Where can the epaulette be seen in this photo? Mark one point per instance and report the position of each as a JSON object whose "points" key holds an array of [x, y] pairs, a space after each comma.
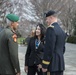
{"points": [[51, 26]]}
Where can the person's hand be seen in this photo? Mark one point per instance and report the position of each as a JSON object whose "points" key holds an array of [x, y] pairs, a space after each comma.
{"points": [[39, 66], [44, 70], [18, 74], [26, 69]]}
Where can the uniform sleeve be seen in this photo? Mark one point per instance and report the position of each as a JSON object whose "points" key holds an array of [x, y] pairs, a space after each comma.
{"points": [[27, 53], [49, 47], [64, 49], [64, 45], [13, 51]]}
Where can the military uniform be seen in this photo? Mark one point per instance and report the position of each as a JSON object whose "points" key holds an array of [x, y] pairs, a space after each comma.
{"points": [[9, 62], [54, 49]]}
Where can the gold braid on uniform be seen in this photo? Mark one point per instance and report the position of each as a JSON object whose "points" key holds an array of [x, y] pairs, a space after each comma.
{"points": [[45, 62]]}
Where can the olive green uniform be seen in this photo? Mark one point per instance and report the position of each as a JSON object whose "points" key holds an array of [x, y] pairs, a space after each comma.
{"points": [[9, 63]]}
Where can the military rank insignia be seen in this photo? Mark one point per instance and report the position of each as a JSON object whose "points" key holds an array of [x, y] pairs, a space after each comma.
{"points": [[51, 26], [14, 37]]}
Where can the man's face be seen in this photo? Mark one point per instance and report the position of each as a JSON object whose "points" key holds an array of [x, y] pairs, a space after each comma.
{"points": [[49, 20], [15, 25]]}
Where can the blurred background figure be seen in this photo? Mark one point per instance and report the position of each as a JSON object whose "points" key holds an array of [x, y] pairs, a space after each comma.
{"points": [[33, 32]]}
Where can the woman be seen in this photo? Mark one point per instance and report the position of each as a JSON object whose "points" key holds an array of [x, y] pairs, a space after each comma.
{"points": [[34, 54], [29, 36], [32, 33]]}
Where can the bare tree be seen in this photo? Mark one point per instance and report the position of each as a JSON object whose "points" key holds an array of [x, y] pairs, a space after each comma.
{"points": [[64, 8], [33, 11], [5, 6]]}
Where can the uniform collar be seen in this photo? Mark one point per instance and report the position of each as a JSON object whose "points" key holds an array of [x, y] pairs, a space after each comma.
{"points": [[53, 23], [12, 29]]}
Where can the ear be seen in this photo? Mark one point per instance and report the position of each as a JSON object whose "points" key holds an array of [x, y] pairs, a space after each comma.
{"points": [[12, 23], [50, 17]]}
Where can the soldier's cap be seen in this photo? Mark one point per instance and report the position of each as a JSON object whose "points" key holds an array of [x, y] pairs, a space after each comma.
{"points": [[12, 17], [49, 13]]}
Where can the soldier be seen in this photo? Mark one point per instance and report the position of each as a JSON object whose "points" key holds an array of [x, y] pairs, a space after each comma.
{"points": [[53, 59], [9, 62]]}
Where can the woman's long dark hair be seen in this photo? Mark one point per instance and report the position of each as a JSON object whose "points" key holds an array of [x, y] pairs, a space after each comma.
{"points": [[43, 31]]}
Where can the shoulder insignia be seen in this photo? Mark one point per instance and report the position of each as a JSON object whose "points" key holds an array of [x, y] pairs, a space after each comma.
{"points": [[51, 26], [14, 37]]}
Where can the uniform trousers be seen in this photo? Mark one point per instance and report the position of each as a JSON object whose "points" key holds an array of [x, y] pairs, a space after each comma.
{"points": [[56, 73], [7, 74]]}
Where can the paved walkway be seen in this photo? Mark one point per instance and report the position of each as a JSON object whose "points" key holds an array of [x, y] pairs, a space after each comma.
{"points": [[70, 59]]}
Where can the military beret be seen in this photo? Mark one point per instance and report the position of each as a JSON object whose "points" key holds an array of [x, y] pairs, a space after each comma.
{"points": [[12, 17], [49, 13]]}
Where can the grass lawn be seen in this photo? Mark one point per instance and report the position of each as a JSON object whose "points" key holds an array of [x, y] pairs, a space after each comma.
{"points": [[20, 40]]}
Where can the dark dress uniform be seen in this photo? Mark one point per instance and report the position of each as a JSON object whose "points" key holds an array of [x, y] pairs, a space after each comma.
{"points": [[9, 62], [54, 50], [34, 57]]}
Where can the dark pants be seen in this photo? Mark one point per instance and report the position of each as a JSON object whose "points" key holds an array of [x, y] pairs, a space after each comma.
{"points": [[56, 73], [32, 70], [7, 74]]}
